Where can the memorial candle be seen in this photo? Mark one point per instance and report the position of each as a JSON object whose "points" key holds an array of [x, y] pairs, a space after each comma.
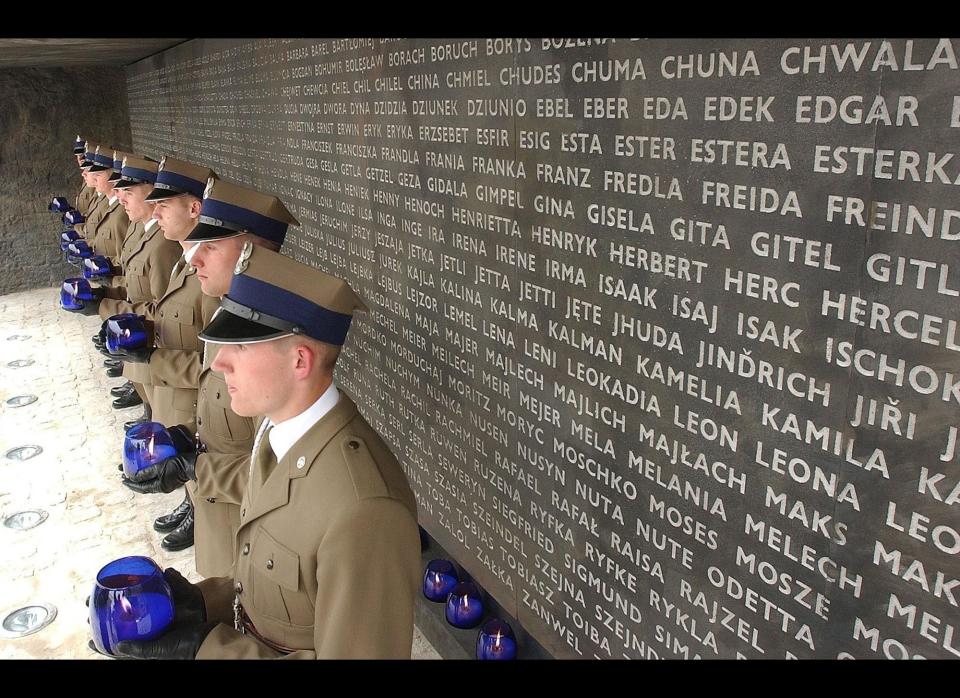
{"points": [[439, 580], [125, 331], [144, 445], [496, 641], [464, 606]]}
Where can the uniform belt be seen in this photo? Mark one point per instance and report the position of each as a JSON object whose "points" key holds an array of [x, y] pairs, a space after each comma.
{"points": [[250, 629]]}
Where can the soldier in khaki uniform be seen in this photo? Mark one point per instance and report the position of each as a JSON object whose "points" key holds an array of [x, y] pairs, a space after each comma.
{"points": [[106, 235], [147, 259], [87, 194], [216, 475], [98, 205], [176, 360], [328, 561]]}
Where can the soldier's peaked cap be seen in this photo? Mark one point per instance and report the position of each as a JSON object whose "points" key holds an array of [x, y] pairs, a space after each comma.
{"points": [[79, 145], [102, 159], [176, 177], [229, 210], [272, 296], [88, 162], [136, 170], [118, 156]]}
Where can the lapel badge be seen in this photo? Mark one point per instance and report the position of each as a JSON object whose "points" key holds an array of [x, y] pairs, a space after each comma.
{"points": [[301, 461], [244, 262], [209, 187]]}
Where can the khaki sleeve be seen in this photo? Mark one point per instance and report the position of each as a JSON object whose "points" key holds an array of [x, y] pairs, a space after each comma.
{"points": [[114, 306], [218, 598], [175, 368], [162, 257], [222, 476], [368, 570]]}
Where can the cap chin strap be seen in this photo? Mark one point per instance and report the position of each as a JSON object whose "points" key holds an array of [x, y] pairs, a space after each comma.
{"points": [[248, 313]]}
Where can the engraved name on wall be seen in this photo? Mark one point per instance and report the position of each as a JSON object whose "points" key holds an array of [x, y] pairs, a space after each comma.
{"points": [[663, 332]]}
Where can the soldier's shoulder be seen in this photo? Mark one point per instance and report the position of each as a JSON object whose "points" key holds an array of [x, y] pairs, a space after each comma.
{"points": [[372, 468]]}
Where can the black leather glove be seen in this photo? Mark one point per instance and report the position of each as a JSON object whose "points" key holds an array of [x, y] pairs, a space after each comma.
{"points": [[100, 339], [190, 627], [134, 356], [181, 642], [183, 439], [166, 476]]}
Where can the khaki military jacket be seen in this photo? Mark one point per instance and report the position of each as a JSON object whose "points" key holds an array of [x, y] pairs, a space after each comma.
{"points": [[147, 258], [175, 364], [328, 551], [86, 197], [228, 439], [107, 236], [93, 216]]}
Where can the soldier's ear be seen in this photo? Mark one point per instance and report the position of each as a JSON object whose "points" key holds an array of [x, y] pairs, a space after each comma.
{"points": [[195, 205]]}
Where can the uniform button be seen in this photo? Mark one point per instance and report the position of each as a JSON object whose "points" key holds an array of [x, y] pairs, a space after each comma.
{"points": [[269, 564], [194, 404], [353, 444], [211, 500], [199, 421], [176, 314], [243, 512], [246, 548], [161, 313], [238, 587], [218, 395]]}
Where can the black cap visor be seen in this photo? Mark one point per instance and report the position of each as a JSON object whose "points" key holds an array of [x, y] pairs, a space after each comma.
{"points": [[100, 168], [204, 232], [115, 177], [159, 194], [228, 328]]}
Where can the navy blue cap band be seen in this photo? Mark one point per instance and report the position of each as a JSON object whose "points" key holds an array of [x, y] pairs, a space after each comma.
{"points": [[316, 321], [103, 160], [179, 183], [245, 219], [138, 175]]}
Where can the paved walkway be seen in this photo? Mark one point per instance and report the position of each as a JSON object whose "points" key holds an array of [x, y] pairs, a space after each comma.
{"points": [[92, 518]]}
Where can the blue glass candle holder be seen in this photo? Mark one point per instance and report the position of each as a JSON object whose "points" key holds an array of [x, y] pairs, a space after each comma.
{"points": [[78, 250], [59, 205], [96, 266], [131, 601], [439, 580], [74, 292], [464, 606], [144, 445], [73, 218], [496, 641], [126, 331], [68, 236]]}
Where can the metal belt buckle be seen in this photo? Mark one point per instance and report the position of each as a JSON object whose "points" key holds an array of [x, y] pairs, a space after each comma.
{"points": [[237, 609]]}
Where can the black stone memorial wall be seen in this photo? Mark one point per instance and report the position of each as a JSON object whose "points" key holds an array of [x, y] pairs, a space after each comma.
{"points": [[663, 332]]}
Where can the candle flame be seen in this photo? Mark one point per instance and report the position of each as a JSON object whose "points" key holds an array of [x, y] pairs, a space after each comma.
{"points": [[150, 445], [125, 605], [464, 600], [496, 640]]}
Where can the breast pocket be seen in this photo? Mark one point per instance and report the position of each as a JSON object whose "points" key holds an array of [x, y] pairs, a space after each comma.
{"points": [[218, 419], [177, 330], [275, 573], [138, 284]]}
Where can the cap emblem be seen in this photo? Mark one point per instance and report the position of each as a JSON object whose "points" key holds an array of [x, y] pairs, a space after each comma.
{"points": [[209, 187], [244, 262], [163, 161]]}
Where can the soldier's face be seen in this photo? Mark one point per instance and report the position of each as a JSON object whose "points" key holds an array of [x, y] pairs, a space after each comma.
{"points": [[121, 195], [257, 377], [215, 261], [133, 202], [177, 216], [100, 182]]}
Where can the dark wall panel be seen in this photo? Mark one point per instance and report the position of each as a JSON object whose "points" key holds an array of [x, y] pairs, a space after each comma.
{"points": [[663, 332], [42, 111]]}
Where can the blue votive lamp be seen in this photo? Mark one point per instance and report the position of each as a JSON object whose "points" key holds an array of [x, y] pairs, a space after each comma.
{"points": [[78, 250], [68, 236], [496, 641], [74, 292], [439, 580], [464, 606], [59, 205], [73, 217], [96, 266], [125, 331], [144, 445], [131, 601]]}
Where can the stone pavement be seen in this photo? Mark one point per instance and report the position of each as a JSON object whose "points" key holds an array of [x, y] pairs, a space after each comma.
{"points": [[93, 519]]}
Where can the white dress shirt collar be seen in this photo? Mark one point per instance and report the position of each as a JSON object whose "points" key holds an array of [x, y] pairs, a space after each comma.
{"points": [[112, 200], [285, 434], [149, 224]]}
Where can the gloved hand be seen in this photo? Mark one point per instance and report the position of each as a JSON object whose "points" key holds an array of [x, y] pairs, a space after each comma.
{"points": [[188, 631], [134, 356], [100, 339], [166, 476], [183, 439], [180, 642]]}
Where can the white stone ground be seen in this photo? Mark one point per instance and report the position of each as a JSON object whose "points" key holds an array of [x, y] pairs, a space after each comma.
{"points": [[92, 519]]}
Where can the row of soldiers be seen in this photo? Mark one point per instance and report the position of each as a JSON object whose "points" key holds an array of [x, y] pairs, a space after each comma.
{"points": [[304, 524]]}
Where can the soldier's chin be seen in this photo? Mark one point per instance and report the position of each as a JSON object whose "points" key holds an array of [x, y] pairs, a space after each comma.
{"points": [[239, 409]]}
